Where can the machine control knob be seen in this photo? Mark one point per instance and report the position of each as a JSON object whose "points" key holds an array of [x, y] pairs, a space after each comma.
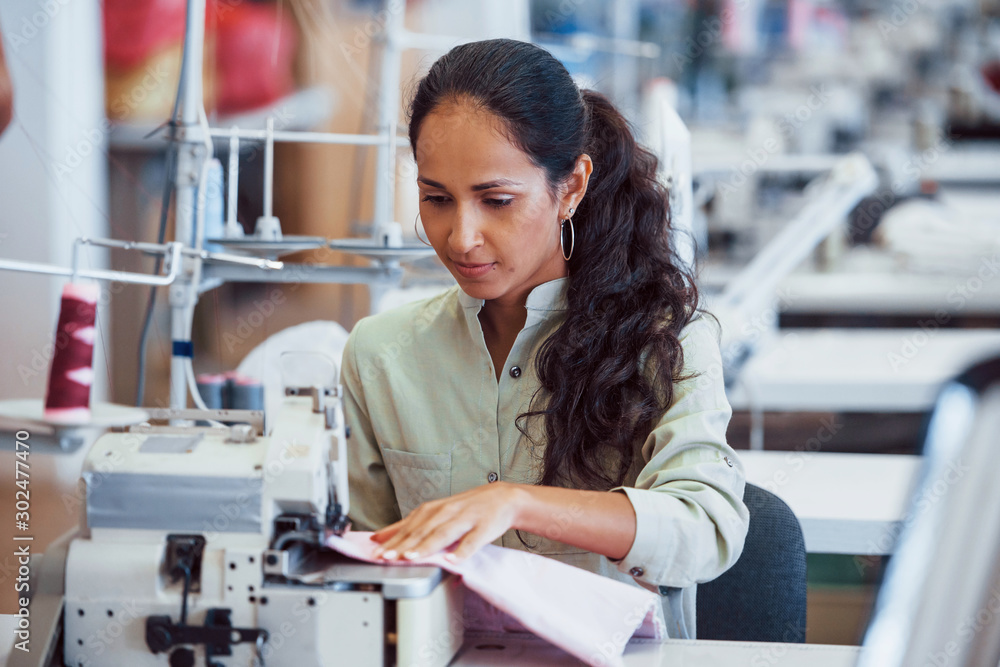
{"points": [[158, 636], [182, 657]]}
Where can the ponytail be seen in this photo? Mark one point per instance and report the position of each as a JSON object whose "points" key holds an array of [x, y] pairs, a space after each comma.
{"points": [[607, 372]]}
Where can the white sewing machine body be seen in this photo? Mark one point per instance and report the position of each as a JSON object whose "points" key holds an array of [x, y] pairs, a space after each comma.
{"points": [[203, 546]]}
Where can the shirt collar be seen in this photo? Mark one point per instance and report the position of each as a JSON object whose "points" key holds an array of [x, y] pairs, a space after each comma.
{"points": [[549, 296]]}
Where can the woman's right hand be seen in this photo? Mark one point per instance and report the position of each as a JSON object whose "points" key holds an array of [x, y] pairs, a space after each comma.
{"points": [[464, 522]]}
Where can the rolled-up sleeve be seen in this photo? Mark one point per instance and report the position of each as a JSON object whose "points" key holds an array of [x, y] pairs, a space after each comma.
{"points": [[688, 498], [373, 498]]}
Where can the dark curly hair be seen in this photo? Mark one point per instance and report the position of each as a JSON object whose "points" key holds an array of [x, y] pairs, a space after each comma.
{"points": [[607, 372]]}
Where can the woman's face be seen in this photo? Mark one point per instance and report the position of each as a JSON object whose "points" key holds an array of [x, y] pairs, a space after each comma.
{"points": [[486, 208]]}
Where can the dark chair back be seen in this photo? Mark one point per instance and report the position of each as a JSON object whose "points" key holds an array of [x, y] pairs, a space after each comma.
{"points": [[763, 596]]}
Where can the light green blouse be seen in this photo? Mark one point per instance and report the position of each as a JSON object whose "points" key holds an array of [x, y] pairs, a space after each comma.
{"points": [[428, 419]]}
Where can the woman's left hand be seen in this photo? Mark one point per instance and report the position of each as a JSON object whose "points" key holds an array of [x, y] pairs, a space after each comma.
{"points": [[471, 519]]}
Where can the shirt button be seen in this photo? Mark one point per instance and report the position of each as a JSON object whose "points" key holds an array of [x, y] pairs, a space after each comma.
{"points": [[492, 477], [515, 371], [729, 461], [637, 572]]}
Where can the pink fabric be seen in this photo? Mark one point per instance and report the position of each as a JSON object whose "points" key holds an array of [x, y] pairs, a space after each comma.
{"points": [[587, 615]]}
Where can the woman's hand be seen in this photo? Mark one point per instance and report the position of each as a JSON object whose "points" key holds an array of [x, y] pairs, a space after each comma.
{"points": [[468, 520]]}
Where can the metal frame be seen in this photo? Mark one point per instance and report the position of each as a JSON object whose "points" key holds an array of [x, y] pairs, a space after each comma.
{"points": [[191, 270]]}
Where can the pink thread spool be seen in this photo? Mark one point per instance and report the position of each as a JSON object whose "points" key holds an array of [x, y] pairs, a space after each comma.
{"points": [[67, 397]]}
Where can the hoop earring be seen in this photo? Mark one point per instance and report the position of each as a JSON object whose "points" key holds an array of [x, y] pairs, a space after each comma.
{"points": [[562, 238], [417, 232]]}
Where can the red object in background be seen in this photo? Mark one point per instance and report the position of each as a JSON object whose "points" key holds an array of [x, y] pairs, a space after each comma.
{"points": [[134, 29], [255, 44], [255, 49], [991, 73]]}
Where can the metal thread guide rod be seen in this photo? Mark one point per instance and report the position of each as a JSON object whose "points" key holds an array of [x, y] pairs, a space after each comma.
{"points": [[233, 228], [191, 156], [268, 227]]}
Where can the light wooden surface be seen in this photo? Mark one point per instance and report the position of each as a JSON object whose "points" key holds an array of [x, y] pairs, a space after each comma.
{"points": [[847, 503], [506, 650], [885, 293], [858, 370], [502, 651]]}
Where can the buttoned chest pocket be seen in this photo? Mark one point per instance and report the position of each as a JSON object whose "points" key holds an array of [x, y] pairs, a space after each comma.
{"points": [[552, 544], [417, 478]]}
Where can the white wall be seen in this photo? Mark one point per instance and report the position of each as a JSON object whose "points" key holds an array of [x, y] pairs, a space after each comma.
{"points": [[53, 177]]}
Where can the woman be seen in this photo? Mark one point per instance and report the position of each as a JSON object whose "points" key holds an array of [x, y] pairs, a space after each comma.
{"points": [[567, 363]]}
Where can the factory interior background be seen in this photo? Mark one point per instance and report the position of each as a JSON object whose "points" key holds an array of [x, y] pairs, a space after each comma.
{"points": [[846, 354]]}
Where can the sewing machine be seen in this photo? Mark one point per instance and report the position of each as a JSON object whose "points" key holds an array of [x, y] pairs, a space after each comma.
{"points": [[204, 545]]}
